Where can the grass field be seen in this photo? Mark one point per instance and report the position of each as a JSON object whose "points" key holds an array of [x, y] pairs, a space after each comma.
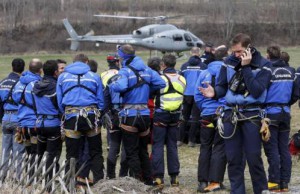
{"points": [[188, 156]]}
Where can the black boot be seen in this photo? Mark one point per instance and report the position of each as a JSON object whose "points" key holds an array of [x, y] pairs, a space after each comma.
{"points": [[111, 170]]}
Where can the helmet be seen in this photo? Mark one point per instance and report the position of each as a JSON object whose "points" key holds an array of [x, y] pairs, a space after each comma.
{"points": [[112, 58]]}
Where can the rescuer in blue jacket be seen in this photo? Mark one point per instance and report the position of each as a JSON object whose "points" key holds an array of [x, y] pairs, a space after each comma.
{"points": [[243, 81], [22, 94], [135, 81], [282, 93], [48, 117], [212, 158], [80, 99], [190, 71], [10, 110]]}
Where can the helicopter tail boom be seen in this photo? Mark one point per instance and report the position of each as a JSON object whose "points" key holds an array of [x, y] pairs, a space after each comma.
{"points": [[73, 35]]}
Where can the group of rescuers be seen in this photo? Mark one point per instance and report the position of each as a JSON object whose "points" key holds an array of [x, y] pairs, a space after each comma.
{"points": [[242, 101]]}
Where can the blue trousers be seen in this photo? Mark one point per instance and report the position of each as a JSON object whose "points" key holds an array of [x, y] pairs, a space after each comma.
{"points": [[276, 149], [245, 142], [165, 134], [8, 144]]}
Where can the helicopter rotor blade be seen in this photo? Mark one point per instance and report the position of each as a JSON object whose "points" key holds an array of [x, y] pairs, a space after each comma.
{"points": [[124, 17]]}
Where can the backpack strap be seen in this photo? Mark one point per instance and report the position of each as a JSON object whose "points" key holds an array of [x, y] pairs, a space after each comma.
{"points": [[139, 79], [9, 97], [79, 85], [171, 87]]}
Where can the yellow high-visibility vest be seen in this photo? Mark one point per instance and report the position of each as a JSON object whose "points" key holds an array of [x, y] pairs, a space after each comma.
{"points": [[171, 96], [106, 75]]}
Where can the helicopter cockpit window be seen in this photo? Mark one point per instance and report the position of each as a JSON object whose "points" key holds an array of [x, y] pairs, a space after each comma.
{"points": [[187, 37], [177, 37], [194, 37]]}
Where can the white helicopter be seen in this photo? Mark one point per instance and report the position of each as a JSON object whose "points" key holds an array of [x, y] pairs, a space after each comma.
{"points": [[162, 37]]}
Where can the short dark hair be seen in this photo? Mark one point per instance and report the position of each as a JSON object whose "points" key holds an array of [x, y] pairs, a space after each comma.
{"points": [[18, 65], [169, 60], [154, 63], [244, 39], [35, 65], [61, 61], [93, 65], [220, 53], [274, 52], [81, 57], [285, 56], [128, 49], [50, 67]]}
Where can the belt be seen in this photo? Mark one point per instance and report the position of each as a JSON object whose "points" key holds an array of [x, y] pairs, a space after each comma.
{"points": [[10, 112], [250, 106], [76, 109], [49, 116], [276, 104], [135, 106]]}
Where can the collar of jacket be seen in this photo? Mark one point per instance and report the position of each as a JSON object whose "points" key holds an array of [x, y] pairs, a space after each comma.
{"points": [[169, 70], [14, 75], [114, 67], [278, 63]]}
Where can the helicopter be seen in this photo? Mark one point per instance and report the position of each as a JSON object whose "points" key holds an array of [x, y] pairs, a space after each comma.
{"points": [[160, 36]]}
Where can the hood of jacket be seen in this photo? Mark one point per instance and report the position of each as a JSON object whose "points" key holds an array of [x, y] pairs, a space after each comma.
{"points": [[137, 63], [46, 86], [194, 60], [77, 68], [278, 63], [28, 77]]}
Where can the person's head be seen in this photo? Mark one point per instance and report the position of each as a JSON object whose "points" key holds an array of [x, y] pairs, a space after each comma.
{"points": [[81, 57], [221, 52], [18, 65], [239, 44], [154, 63], [273, 52], [125, 52], [195, 51], [169, 60], [93, 65], [61, 65], [50, 68], [35, 66], [113, 60], [285, 56], [208, 47]]}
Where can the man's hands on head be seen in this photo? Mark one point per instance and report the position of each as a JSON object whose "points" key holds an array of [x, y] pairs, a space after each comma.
{"points": [[207, 92]]}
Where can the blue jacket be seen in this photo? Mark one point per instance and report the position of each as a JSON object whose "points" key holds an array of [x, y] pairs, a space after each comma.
{"points": [[6, 93], [139, 95], [208, 106], [191, 71], [79, 96], [44, 93], [257, 76], [283, 90], [22, 95]]}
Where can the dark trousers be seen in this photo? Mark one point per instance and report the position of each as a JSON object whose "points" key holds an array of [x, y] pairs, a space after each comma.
{"points": [[114, 150], [49, 139], [276, 149], [135, 147], [164, 133], [245, 142], [94, 145], [84, 156], [212, 159], [191, 112]]}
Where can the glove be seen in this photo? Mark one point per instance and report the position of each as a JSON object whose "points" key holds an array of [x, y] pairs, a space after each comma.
{"points": [[106, 122], [18, 136], [264, 130]]}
